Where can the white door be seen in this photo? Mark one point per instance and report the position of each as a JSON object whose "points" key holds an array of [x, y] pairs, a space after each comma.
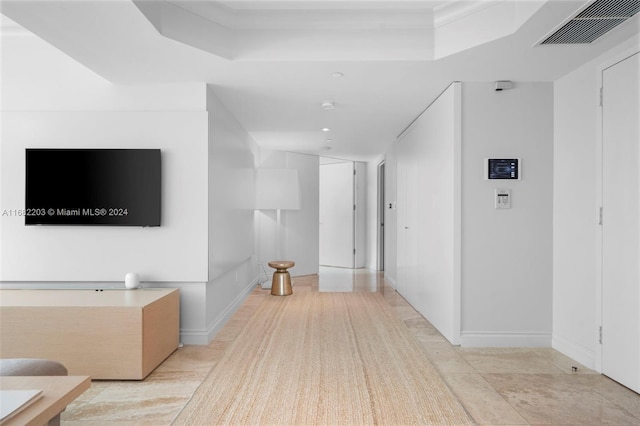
{"points": [[336, 215], [359, 217], [407, 225], [381, 216], [402, 262], [621, 223], [412, 226]]}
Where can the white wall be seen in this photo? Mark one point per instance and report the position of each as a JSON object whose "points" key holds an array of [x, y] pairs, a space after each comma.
{"points": [[49, 100], [231, 228], [504, 266], [300, 239], [428, 156], [231, 189], [106, 254], [507, 254], [576, 202]]}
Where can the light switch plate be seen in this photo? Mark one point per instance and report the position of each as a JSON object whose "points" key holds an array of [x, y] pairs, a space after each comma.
{"points": [[503, 198]]}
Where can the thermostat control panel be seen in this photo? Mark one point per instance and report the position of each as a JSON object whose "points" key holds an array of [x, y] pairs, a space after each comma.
{"points": [[502, 168]]}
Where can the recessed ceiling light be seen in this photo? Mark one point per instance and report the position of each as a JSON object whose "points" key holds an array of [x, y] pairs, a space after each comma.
{"points": [[326, 129], [327, 105], [328, 140], [337, 74]]}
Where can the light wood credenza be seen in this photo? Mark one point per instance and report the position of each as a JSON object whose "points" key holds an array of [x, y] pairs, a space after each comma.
{"points": [[105, 334]]}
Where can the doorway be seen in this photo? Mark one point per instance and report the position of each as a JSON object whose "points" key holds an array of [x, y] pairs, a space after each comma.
{"points": [[381, 211], [342, 213], [337, 227]]}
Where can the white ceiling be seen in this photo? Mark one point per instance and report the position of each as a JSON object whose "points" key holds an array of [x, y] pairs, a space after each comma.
{"points": [[271, 62]]}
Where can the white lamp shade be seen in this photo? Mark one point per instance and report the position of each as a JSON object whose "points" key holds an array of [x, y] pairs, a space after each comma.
{"points": [[277, 189]]}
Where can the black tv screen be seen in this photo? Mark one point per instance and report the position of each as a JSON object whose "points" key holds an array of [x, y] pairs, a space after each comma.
{"points": [[117, 187]]}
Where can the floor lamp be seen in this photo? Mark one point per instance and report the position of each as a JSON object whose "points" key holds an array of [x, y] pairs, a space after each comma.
{"points": [[277, 189]]}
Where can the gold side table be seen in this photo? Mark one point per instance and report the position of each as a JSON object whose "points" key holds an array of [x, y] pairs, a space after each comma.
{"points": [[281, 282]]}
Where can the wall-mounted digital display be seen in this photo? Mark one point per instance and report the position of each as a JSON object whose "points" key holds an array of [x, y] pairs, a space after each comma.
{"points": [[502, 168], [117, 187]]}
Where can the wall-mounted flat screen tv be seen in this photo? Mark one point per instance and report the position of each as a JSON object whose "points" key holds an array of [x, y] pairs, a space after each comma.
{"points": [[113, 187]]}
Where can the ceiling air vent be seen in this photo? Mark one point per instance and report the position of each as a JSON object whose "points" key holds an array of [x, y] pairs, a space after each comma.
{"points": [[597, 19]]}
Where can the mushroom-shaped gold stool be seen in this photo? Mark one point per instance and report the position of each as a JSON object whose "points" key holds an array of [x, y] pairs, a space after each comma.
{"points": [[281, 282]]}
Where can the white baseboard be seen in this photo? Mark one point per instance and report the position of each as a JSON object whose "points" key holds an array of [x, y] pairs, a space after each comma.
{"points": [[391, 281], [204, 337], [224, 317], [578, 353], [505, 340], [194, 337]]}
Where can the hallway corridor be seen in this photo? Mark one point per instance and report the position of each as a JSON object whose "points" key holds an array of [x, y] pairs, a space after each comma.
{"points": [[497, 386]]}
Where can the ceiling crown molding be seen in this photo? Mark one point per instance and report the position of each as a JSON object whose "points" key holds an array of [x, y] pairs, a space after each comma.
{"points": [[450, 11], [303, 15]]}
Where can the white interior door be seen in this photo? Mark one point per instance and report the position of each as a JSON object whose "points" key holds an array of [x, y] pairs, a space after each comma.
{"points": [[407, 225], [402, 262], [359, 216], [337, 215], [621, 223], [381, 216], [411, 226]]}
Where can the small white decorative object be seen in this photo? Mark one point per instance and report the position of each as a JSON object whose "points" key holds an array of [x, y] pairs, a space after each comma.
{"points": [[132, 280]]}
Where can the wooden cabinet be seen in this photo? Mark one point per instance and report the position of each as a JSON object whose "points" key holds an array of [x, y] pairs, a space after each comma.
{"points": [[106, 334]]}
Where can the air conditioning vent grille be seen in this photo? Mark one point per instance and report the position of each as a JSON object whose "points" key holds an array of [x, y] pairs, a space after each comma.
{"points": [[610, 9], [598, 18]]}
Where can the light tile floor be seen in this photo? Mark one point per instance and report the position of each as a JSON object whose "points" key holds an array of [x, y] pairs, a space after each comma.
{"points": [[497, 386]]}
